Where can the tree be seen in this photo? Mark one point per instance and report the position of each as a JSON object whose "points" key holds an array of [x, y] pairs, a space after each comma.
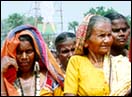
{"points": [[15, 20], [73, 25], [100, 11]]}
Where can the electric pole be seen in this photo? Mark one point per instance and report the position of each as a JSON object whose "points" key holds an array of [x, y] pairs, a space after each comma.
{"points": [[36, 8], [61, 15]]}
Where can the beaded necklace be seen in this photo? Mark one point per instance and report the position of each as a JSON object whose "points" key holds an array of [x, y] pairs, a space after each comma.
{"points": [[37, 86], [18, 85]]}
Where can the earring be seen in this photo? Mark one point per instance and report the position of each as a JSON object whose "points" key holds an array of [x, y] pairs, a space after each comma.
{"points": [[36, 67]]}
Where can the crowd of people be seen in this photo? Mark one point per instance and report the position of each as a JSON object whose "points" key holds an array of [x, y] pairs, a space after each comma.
{"points": [[94, 61]]}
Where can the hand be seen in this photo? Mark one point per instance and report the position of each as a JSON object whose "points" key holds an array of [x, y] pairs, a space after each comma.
{"points": [[7, 61], [128, 92]]}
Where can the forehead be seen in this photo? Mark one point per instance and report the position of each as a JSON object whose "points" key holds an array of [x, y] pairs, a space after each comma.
{"points": [[68, 42], [24, 45], [119, 22], [103, 26]]}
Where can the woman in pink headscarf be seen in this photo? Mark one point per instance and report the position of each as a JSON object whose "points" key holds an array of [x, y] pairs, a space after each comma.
{"points": [[28, 68]]}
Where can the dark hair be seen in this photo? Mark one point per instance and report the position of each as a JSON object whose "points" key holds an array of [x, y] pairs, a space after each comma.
{"points": [[63, 37], [28, 38], [114, 15]]}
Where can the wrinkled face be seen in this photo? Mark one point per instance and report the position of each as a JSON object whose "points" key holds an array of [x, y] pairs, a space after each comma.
{"points": [[120, 32], [25, 56], [101, 39], [65, 51]]}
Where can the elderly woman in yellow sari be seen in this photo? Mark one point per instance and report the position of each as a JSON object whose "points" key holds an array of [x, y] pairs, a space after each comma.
{"points": [[92, 71], [27, 66]]}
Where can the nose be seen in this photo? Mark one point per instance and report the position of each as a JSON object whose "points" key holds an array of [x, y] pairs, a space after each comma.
{"points": [[106, 39], [24, 55], [121, 32]]}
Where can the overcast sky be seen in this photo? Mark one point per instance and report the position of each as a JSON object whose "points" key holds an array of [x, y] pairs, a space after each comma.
{"points": [[71, 10]]}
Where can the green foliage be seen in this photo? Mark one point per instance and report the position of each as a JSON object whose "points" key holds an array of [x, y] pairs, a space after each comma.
{"points": [[99, 10], [72, 26], [102, 11], [15, 20], [128, 20]]}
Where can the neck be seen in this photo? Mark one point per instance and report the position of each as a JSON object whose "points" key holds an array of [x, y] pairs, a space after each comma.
{"points": [[96, 60], [31, 87], [26, 75], [115, 51]]}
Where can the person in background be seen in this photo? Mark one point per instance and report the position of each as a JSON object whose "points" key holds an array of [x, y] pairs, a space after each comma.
{"points": [[65, 46], [54, 52], [120, 33], [92, 71], [28, 68]]}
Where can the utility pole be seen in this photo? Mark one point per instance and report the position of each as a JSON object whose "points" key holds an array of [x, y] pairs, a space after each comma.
{"points": [[36, 12], [61, 15]]}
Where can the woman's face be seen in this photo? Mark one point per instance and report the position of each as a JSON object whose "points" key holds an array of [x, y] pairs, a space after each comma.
{"points": [[120, 32], [66, 50], [101, 39], [25, 56]]}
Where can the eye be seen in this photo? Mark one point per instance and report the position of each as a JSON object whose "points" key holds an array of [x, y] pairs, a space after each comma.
{"points": [[102, 35], [118, 30], [19, 52], [115, 30], [109, 34], [29, 51], [124, 29], [65, 51], [72, 49]]}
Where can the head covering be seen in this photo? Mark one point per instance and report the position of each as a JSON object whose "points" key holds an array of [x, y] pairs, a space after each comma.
{"points": [[46, 58], [81, 34]]}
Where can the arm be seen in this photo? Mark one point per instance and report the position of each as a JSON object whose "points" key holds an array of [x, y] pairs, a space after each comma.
{"points": [[5, 63], [128, 92], [71, 78], [3, 90]]}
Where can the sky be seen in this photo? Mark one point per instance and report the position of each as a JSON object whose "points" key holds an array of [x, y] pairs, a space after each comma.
{"points": [[71, 10]]}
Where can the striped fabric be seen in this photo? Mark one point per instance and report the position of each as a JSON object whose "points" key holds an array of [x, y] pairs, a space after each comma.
{"points": [[81, 34], [46, 57]]}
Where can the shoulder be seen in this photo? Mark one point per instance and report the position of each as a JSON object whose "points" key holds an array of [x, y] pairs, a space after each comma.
{"points": [[77, 62], [121, 60], [78, 57]]}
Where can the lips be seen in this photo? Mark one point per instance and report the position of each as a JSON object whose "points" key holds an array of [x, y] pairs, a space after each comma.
{"points": [[121, 39], [105, 47], [24, 63]]}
